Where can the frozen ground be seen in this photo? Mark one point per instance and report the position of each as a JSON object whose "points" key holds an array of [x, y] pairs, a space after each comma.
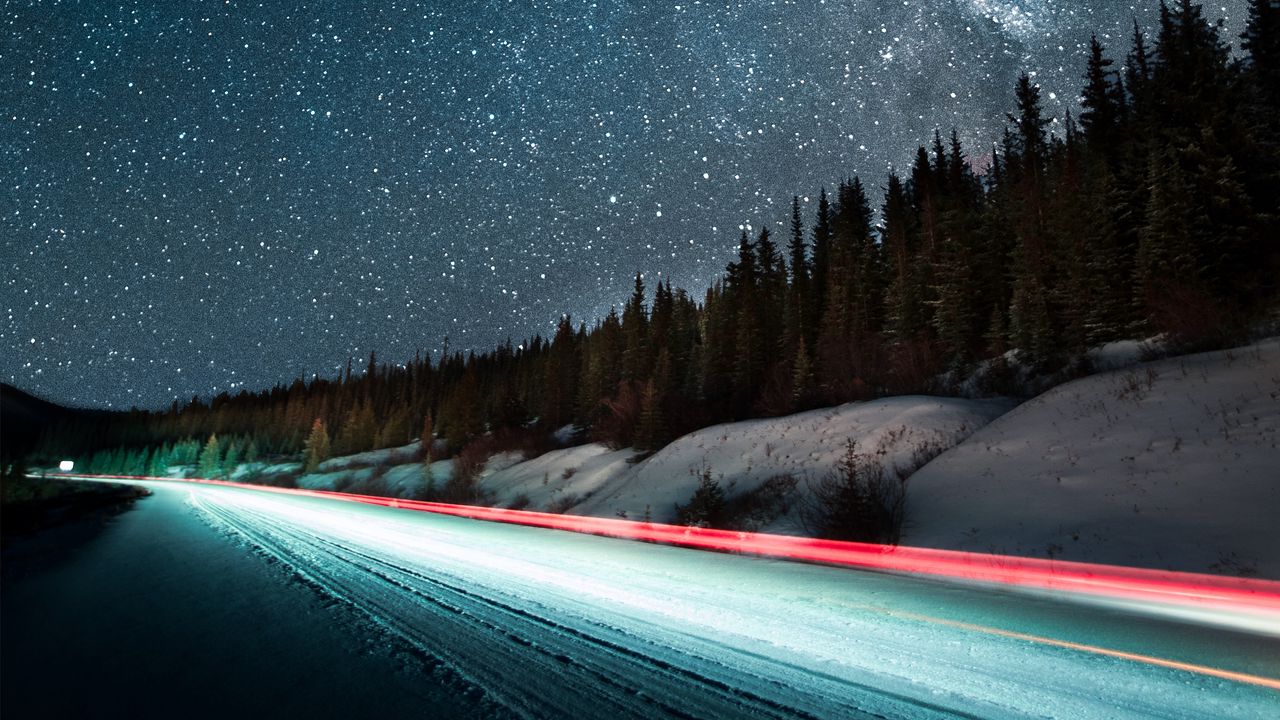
{"points": [[536, 623], [1169, 464]]}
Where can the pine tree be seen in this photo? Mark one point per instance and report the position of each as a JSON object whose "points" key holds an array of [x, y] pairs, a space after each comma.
{"points": [[651, 431], [1107, 297], [141, 460], [798, 287], [867, 296], [772, 295], [210, 462], [716, 361], [707, 506], [160, 459], [358, 431], [1261, 39], [316, 449], [853, 296], [662, 318], [1138, 65], [1102, 100], [1167, 253], [957, 313], [1030, 124], [802, 379], [232, 459], [427, 438], [743, 289], [686, 360], [1032, 317], [819, 279], [394, 431], [560, 377], [904, 305], [635, 331], [603, 360]]}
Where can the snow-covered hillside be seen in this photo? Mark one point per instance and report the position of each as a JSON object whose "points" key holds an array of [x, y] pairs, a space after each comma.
{"points": [[591, 480], [1170, 464]]}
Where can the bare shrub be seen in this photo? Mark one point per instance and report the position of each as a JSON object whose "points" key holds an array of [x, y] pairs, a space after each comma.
{"points": [[617, 425], [429, 490], [282, 480], [857, 501], [912, 366], [1135, 386], [1001, 377], [528, 441], [777, 397], [563, 504], [1233, 564], [920, 456], [1192, 321], [464, 485], [568, 473], [376, 483], [756, 508], [520, 502]]}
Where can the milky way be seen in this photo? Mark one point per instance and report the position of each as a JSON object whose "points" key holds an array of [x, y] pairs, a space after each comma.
{"points": [[207, 197]]}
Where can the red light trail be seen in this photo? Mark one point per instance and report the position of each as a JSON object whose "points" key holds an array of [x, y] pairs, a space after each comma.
{"points": [[1140, 584]]}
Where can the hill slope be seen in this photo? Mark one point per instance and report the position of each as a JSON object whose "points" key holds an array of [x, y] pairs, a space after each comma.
{"points": [[1169, 464], [741, 456]]}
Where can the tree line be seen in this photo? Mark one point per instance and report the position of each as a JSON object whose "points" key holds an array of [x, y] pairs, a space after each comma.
{"points": [[1152, 212]]}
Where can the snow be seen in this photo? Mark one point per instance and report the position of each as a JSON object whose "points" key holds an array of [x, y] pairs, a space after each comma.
{"points": [[1169, 464], [556, 479], [567, 434], [741, 456], [406, 480], [336, 480], [385, 456], [1121, 353]]}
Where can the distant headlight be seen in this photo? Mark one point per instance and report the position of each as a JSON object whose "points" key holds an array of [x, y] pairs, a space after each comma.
{"points": [[66, 465]]}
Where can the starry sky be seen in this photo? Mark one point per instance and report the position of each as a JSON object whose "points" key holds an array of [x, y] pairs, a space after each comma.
{"points": [[206, 196]]}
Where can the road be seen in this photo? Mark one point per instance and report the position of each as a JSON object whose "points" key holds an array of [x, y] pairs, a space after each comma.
{"points": [[510, 621]]}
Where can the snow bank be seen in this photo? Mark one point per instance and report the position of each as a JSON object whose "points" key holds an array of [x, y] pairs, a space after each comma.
{"points": [[556, 480], [1169, 464], [591, 480], [386, 456]]}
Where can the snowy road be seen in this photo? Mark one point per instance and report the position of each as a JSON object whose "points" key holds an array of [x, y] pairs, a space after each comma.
{"points": [[551, 624]]}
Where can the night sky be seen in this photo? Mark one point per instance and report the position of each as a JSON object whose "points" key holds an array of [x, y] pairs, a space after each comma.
{"points": [[202, 196]]}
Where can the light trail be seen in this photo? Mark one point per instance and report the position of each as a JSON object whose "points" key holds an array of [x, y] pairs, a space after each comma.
{"points": [[563, 624], [1259, 599]]}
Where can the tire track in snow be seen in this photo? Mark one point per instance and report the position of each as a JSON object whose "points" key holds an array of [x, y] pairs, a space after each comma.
{"points": [[546, 624], [596, 668]]}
